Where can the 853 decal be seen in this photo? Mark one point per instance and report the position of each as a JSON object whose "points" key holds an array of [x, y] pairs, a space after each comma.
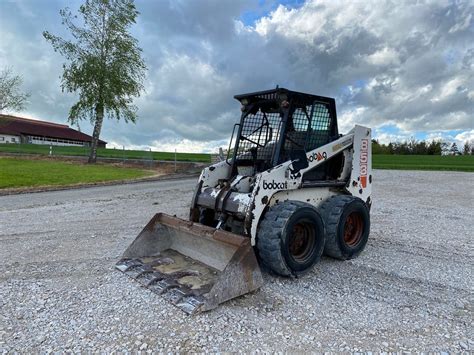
{"points": [[363, 162]]}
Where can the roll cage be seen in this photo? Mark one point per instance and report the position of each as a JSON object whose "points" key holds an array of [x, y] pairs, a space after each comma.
{"points": [[274, 124]]}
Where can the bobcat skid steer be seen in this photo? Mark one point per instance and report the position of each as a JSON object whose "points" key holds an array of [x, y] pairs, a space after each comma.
{"points": [[291, 189]]}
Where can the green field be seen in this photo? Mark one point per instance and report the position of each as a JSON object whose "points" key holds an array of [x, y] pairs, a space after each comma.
{"points": [[104, 153], [423, 162], [17, 173]]}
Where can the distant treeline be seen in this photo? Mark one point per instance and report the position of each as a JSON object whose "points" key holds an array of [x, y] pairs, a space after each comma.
{"points": [[414, 147]]}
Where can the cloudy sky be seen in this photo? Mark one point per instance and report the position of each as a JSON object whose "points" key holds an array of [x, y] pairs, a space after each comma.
{"points": [[404, 68]]}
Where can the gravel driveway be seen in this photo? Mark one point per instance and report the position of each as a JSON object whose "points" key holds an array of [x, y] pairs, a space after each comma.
{"points": [[412, 288]]}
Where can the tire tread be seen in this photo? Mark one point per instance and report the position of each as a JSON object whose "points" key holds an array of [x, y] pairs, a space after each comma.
{"points": [[269, 235], [331, 210]]}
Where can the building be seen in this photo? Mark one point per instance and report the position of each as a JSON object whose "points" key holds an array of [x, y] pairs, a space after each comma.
{"points": [[23, 130]]}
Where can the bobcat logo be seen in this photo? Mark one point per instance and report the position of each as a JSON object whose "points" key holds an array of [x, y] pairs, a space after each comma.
{"points": [[317, 156], [273, 185]]}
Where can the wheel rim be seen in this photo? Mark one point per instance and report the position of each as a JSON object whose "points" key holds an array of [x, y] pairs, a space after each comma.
{"points": [[353, 229], [302, 241]]}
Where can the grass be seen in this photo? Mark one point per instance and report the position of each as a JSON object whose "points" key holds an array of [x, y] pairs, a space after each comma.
{"points": [[104, 153], [18, 173], [423, 162]]}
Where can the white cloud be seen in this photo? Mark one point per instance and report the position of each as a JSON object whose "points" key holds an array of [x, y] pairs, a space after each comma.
{"points": [[385, 138], [347, 119], [384, 56], [467, 136], [384, 62], [439, 136], [177, 144], [450, 88]]}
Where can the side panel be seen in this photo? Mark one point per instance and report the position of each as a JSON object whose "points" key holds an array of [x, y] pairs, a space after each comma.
{"points": [[360, 182], [313, 196], [212, 174], [280, 179]]}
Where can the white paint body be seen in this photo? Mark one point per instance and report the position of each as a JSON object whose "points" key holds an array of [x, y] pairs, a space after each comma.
{"points": [[257, 193]]}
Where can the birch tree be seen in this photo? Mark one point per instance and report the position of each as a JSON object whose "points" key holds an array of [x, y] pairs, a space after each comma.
{"points": [[104, 63]]}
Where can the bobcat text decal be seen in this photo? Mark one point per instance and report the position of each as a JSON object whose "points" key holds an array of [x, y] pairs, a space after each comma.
{"points": [[273, 185], [363, 161], [318, 156]]}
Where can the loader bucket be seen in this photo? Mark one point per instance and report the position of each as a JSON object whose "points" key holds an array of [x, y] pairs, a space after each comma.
{"points": [[194, 266]]}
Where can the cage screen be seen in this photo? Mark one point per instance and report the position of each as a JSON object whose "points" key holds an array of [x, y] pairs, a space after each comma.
{"points": [[308, 128], [260, 132]]}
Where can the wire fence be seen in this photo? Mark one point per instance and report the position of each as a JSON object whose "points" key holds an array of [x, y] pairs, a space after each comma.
{"points": [[106, 153]]}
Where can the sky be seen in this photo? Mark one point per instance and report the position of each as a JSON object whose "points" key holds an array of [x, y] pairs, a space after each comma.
{"points": [[404, 68]]}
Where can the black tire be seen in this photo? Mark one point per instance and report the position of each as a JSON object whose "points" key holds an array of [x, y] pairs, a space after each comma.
{"points": [[347, 222], [290, 238]]}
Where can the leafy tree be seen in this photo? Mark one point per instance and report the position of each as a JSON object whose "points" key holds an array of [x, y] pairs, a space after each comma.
{"points": [[467, 148], [391, 149], [377, 148], [445, 147], [434, 148], [104, 63], [454, 149], [11, 96], [411, 147]]}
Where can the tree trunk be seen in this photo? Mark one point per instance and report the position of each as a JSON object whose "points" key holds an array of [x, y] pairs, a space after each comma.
{"points": [[99, 118]]}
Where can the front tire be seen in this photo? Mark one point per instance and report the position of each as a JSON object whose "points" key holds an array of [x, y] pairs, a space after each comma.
{"points": [[290, 238], [347, 222]]}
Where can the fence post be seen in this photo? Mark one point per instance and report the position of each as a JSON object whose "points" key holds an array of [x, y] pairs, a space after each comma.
{"points": [[175, 160], [151, 157]]}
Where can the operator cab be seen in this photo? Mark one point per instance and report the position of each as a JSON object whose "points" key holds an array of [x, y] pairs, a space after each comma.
{"points": [[276, 124]]}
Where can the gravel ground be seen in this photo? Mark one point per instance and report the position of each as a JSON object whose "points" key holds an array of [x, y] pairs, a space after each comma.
{"points": [[412, 288]]}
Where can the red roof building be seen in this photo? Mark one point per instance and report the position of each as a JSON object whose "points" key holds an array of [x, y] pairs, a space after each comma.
{"points": [[24, 130]]}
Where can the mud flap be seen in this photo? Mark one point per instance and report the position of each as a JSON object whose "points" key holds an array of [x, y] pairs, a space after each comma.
{"points": [[194, 266]]}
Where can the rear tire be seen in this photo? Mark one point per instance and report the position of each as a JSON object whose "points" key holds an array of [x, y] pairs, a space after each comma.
{"points": [[347, 222], [290, 238]]}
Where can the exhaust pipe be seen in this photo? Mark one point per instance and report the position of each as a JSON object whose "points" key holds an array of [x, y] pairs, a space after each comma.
{"points": [[195, 267]]}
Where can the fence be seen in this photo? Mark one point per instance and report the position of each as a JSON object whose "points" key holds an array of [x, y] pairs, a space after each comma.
{"points": [[105, 153]]}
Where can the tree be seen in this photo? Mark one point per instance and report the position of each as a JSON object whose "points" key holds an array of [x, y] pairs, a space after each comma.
{"points": [[454, 149], [11, 96], [467, 148], [104, 63], [435, 148]]}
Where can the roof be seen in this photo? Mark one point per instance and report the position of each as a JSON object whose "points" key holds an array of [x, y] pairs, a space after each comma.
{"points": [[280, 94], [18, 125]]}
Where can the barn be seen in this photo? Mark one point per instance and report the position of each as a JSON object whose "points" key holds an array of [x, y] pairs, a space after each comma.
{"points": [[15, 129]]}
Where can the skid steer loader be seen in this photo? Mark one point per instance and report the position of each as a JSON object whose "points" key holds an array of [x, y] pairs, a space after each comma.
{"points": [[290, 189]]}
